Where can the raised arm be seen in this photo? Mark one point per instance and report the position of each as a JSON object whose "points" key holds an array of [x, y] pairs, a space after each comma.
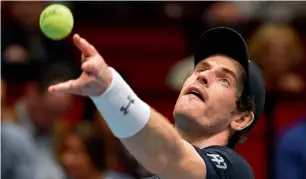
{"points": [[147, 135], [161, 150]]}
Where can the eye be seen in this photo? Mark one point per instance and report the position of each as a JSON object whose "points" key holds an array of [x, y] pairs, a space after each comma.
{"points": [[224, 80], [200, 70]]}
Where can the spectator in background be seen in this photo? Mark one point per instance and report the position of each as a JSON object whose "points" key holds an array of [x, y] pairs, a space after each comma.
{"points": [[278, 50], [22, 41], [82, 152], [27, 139], [290, 160]]}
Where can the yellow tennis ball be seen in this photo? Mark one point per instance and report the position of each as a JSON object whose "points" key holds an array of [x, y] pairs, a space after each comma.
{"points": [[56, 21]]}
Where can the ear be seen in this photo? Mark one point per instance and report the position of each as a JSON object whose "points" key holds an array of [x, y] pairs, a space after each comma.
{"points": [[243, 121]]}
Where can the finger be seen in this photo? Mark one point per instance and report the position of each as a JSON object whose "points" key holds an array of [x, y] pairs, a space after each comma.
{"points": [[86, 48], [65, 87], [90, 67]]}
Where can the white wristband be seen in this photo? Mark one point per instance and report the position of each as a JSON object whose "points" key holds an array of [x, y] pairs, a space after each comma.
{"points": [[122, 110]]}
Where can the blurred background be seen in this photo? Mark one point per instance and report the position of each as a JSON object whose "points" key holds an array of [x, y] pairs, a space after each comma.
{"points": [[46, 136]]}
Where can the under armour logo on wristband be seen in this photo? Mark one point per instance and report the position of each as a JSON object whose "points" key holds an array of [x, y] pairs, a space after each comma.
{"points": [[125, 109]]}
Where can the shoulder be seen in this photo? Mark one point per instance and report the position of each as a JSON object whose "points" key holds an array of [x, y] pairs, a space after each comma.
{"points": [[11, 129], [15, 137], [224, 163]]}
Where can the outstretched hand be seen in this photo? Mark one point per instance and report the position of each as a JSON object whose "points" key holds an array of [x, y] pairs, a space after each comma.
{"points": [[95, 78]]}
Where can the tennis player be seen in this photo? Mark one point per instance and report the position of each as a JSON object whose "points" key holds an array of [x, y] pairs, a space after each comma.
{"points": [[219, 103]]}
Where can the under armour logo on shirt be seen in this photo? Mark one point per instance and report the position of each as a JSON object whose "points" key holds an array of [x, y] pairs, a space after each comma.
{"points": [[218, 160], [125, 109]]}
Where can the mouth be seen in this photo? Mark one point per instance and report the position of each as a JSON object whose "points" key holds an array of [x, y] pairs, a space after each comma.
{"points": [[197, 94]]}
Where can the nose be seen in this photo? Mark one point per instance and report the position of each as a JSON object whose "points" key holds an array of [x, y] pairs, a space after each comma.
{"points": [[204, 78]]}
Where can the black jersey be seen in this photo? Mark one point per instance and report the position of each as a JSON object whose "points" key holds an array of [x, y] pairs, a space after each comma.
{"points": [[223, 163]]}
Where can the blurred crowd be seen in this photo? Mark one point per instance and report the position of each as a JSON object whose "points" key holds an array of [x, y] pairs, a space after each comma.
{"points": [[48, 136]]}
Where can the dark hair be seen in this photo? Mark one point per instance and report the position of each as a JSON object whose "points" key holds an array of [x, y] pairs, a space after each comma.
{"points": [[50, 73], [244, 103], [91, 137]]}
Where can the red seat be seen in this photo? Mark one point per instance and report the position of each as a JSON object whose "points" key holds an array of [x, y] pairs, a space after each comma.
{"points": [[254, 151], [287, 112], [260, 128]]}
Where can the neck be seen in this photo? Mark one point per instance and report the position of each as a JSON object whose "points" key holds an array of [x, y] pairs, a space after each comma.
{"points": [[202, 141], [191, 131]]}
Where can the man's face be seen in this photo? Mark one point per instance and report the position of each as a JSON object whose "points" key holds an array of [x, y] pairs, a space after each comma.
{"points": [[207, 101]]}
